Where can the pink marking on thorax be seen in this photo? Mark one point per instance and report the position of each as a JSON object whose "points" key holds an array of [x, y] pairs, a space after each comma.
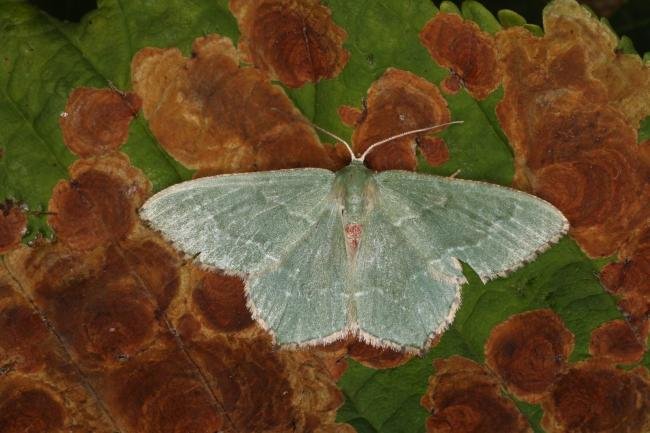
{"points": [[353, 235]]}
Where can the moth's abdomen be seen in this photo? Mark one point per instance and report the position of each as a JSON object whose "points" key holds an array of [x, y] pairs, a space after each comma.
{"points": [[353, 233]]}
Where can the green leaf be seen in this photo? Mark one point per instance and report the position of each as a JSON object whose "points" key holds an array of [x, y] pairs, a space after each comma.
{"points": [[449, 7], [509, 18], [44, 59], [644, 130], [473, 10], [534, 29], [626, 46]]}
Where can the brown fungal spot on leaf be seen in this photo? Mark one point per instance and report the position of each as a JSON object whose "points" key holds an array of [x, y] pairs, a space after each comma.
{"points": [[528, 351], [617, 342], [262, 388], [463, 397], [350, 116], [188, 326], [22, 333], [216, 117], [221, 300], [398, 101], [98, 205], [452, 84], [13, 224], [624, 77], [463, 47], [30, 357], [629, 278], [335, 428], [434, 150], [250, 381], [98, 307], [296, 42], [28, 408], [376, 357], [96, 121], [593, 396], [573, 145], [334, 354], [314, 391], [156, 266], [335, 365], [158, 393]]}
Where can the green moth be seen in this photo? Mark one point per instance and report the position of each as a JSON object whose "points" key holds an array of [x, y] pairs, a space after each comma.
{"points": [[329, 254]]}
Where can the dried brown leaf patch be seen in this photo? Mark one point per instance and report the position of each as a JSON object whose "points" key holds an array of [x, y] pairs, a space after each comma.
{"points": [[528, 352], [98, 306], [96, 121], [98, 204], [397, 102], [160, 392], [155, 264], [221, 301], [215, 116], [466, 50], [617, 341], [40, 390], [570, 113], [296, 42], [593, 396], [629, 278], [465, 397], [13, 224], [29, 408], [364, 353]]}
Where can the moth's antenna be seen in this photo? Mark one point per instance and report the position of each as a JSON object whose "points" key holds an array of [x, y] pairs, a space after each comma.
{"points": [[404, 134], [336, 137]]}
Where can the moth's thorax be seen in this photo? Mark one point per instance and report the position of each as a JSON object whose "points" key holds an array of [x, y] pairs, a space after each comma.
{"points": [[352, 183]]}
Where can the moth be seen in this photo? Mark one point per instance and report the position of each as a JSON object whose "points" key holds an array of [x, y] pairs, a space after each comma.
{"points": [[377, 255]]}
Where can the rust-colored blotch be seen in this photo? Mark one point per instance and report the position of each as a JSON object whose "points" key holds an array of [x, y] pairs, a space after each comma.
{"points": [[250, 381], [156, 267], [595, 397], [315, 394], [91, 210], [464, 397], [434, 150], [96, 121], [216, 117], [469, 52], [25, 408], [222, 302], [574, 144], [624, 77], [22, 333], [528, 351], [13, 224], [102, 312], [98, 205], [397, 102], [377, 357], [618, 342], [295, 42], [159, 393], [629, 280]]}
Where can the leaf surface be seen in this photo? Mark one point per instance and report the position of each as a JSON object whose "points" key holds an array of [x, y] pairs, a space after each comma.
{"points": [[43, 60]]}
